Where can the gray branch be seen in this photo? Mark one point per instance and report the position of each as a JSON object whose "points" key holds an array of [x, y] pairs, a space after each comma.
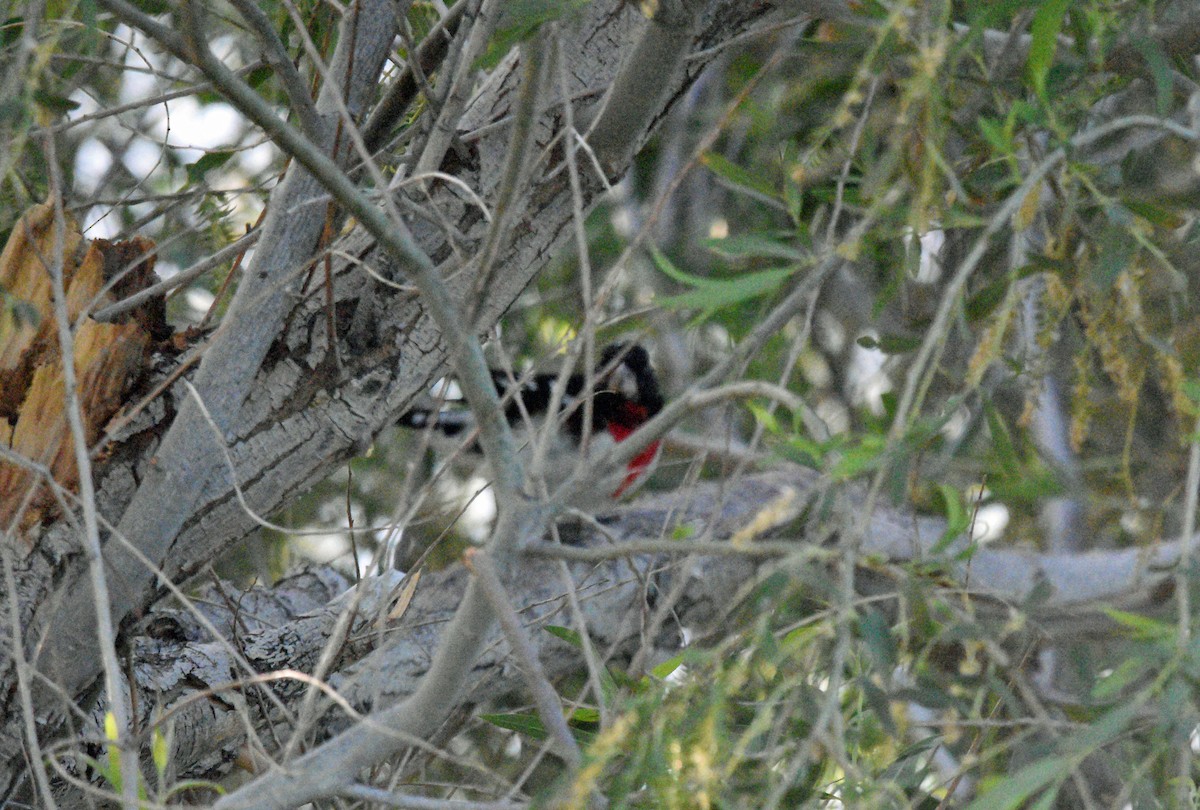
{"points": [[289, 416], [182, 673]]}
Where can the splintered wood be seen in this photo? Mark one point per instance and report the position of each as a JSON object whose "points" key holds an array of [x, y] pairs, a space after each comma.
{"points": [[109, 357]]}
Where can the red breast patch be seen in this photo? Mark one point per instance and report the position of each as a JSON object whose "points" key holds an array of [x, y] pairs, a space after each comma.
{"points": [[630, 418]]}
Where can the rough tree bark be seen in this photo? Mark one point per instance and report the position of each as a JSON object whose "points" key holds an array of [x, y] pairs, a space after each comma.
{"points": [[752, 528], [302, 412]]}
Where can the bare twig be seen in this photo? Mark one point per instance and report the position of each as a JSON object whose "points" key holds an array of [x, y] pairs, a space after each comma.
{"points": [[210, 262], [1183, 582], [699, 548], [24, 687], [444, 127], [388, 799], [105, 629]]}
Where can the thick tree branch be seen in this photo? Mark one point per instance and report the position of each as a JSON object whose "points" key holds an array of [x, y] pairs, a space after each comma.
{"points": [[300, 415], [188, 459], [285, 628]]}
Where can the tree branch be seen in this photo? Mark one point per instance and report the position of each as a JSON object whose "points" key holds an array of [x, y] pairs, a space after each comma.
{"points": [[279, 629]]}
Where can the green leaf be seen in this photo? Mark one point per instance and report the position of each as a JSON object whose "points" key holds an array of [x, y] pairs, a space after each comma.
{"points": [[160, 752], [211, 160], [718, 294], [257, 77], [710, 295], [890, 344], [1002, 444], [1191, 387], [519, 21], [958, 520], [195, 784], [984, 302], [1160, 69], [10, 30], [1153, 213], [1115, 250], [525, 723], [764, 418], [860, 459], [530, 725], [25, 313], [54, 103], [877, 633], [1125, 673], [1045, 264], [793, 199], [880, 704], [996, 134], [1142, 627], [585, 714], [683, 531], [1113, 724], [566, 634], [1014, 790], [755, 245], [807, 451], [667, 667], [737, 176], [1047, 22], [12, 108]]}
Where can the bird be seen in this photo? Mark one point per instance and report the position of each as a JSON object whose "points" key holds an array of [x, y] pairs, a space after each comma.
{"points": [[624, 392]]}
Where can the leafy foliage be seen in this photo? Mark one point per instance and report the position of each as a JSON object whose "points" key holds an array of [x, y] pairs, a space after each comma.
{"points": [[995, 204]]}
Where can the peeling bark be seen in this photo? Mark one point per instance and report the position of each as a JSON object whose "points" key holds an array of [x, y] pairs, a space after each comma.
{"points": [[304, 413]]}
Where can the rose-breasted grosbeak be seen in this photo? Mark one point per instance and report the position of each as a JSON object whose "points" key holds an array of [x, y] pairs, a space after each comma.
{"points": [[624, 394]]}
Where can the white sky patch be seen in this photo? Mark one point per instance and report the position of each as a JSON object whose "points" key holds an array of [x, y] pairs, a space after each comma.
{"points": [[165, 269], [137, 83], [717, 335], [477, 518], [322, 548], [622, 220], [816, 369], [833, 413], [830, 332], [101, 222], [142, 157], [366, 557], [446, 388], [87, 105], [92, 160], [195, 128], [258, 158], [142, 210], [199, 301], [225, 48]]}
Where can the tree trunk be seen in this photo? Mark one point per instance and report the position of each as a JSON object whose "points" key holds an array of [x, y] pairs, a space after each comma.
{"points": [[307, 411]]}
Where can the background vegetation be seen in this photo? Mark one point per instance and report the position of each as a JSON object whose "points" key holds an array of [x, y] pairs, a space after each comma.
{"points": [[993, 206]]}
